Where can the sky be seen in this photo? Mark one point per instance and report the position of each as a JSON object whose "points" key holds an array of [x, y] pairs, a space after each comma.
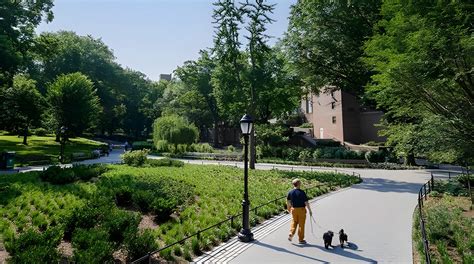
{"points": [[151, 36]]}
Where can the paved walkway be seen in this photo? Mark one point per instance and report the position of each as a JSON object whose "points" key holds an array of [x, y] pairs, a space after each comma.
{"points": [[377, 216]]}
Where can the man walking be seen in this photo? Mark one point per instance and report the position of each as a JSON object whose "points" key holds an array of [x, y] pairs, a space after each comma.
{"points": [[296, 202]]}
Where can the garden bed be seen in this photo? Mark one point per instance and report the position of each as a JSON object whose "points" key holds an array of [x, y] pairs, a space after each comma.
{"points": [[100, 211], [449, 226]]}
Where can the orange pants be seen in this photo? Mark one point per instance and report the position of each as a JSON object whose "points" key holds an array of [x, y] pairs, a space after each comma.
{"points": [[298, 219]]}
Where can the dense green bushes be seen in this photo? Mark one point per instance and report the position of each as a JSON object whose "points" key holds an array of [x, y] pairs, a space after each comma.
{"points": [[167, 162], [183, 200], [58, 175], [140, 243], [148, 193], [139, 145], [449, 229], [92, 246], [35, 247], [307, 154], [138, 158], [174, 130], [135, 158]]}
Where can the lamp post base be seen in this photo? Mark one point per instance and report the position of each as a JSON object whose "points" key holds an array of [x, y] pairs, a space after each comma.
{"points": [[245, 235]]}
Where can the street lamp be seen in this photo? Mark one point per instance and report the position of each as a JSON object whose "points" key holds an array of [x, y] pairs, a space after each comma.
{"points": [[62, 142], [246, 124]]}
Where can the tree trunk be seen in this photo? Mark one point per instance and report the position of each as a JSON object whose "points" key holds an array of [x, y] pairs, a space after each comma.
{"points": [[410, 159], [25, 136], [253, 155], [216, 133], [58, 136]]}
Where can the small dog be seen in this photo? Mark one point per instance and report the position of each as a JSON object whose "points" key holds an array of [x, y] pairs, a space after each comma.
{"points": [[342, 237], [327, 237]]}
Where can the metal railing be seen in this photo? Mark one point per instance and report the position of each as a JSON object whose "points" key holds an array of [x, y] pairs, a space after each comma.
{"points": [[423, 194], [426, 189], [229, 220]]}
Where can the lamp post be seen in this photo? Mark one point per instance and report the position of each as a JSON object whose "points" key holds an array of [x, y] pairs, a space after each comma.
{"points": [[63, 142], [245, 235]]}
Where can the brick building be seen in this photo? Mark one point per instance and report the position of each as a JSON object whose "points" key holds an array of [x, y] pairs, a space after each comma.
{"points": [[338, 115]]}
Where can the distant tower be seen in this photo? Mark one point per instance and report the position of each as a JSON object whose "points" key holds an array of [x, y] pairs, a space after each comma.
{"points": [[165, 77]]}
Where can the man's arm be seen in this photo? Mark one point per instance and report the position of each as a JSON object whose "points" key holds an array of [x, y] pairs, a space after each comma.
{"points": [[288, 205], [309, 208]]}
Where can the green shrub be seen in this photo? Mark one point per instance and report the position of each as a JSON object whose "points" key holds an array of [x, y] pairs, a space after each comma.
{"points": [[202, 147], [165, 162], [376, 156], [135, 158], [119, 222], [306, 125], [40, 132], [92, 246], [34, 247], [465, 178], [57, 175], [87, 172], [270, 134], [230, 148], [175, 130], [305, 155], [162, 146], [139, 145], [139, 244], [87, 216]]}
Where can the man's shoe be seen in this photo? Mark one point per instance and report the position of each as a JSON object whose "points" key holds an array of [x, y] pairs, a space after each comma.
{"points": [[290, 237], [302, 242]]}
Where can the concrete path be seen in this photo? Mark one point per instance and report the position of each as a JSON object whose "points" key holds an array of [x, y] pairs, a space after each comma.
{"points": [[376, 215]]}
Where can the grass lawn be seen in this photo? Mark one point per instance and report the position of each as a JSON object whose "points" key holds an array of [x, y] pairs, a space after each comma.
{"points": [[44, 150], [101, 215], [449, 228]]}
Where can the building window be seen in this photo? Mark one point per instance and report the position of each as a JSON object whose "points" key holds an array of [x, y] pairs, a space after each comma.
{"points": [[309, 105], [334, 120], [333, 105]]}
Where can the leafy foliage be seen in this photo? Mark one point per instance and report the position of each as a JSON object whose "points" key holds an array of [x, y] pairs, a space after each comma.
{"points": [[135, 158], [22, 105], [421, 54], [74, 102], [325, 39], [175, 130], [34, 247]]}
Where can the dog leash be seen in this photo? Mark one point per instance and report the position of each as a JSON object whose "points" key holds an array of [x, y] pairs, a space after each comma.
{"points": [[311, 224]]}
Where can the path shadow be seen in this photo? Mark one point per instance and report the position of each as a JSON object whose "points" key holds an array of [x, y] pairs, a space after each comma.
{"points": [[384, 185], [343, 252], [284, 250]]}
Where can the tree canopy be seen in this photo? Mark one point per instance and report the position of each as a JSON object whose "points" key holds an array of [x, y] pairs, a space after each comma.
{"points": [[422, 57], [74, 102]]}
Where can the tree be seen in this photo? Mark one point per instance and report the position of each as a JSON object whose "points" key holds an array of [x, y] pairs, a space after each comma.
{"points": [[325, 42], [22, 105], [174, 130], [258, 50], [17, 25], [127, 97], [227, 77], [197, 76], [422, 56], [74, 102]]}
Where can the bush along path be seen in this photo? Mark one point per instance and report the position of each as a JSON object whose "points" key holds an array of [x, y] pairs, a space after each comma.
{"points": [[98, 211], [448, 216]]}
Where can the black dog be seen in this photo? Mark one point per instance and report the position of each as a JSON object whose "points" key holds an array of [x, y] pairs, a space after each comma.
{"points": [[342, 237], [327, 237]]}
